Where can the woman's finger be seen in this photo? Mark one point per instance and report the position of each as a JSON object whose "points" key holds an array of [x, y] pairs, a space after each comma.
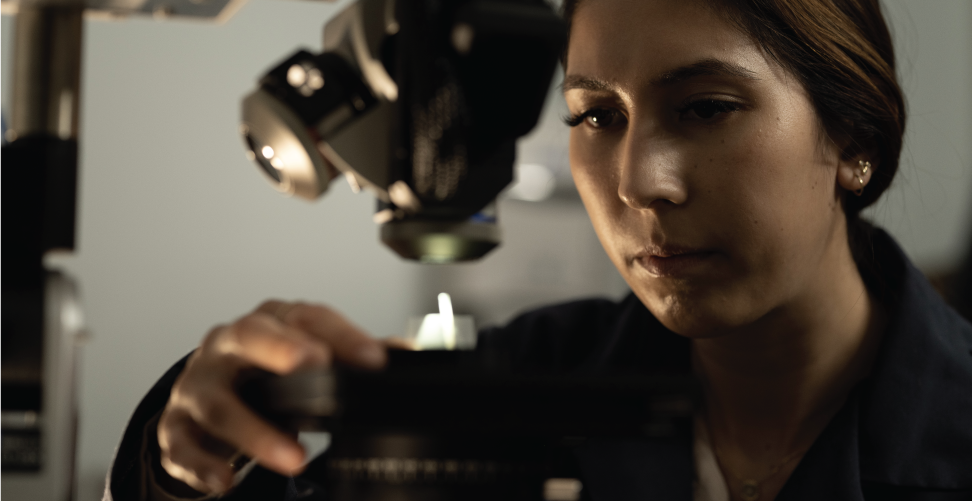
{"points": [[348, 343], [184, 458], [224, 416], [399, 343], [265, 342]]}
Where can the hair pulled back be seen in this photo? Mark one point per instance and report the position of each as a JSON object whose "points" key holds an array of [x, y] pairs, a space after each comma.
{"points": [[842, 54]]}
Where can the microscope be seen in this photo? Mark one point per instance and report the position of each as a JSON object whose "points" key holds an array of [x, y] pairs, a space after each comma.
{"points": [[420, 103]]}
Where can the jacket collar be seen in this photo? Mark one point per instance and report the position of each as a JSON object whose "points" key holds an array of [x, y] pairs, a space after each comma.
{"points": [[916, 407], [830, 469], [909, 424]]}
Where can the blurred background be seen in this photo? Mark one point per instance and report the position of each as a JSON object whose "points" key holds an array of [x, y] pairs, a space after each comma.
{"points": [[179, 232]]}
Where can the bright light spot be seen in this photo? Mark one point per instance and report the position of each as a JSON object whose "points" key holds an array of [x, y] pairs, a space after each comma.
{"points": [[296, 75], [267, 152], [448, 321], [440, 331], [534, 183], [315, 80], [429, 333], [72, 318]]}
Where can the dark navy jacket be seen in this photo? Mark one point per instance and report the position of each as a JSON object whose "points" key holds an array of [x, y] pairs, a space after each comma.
{"points": [[905, 432]]}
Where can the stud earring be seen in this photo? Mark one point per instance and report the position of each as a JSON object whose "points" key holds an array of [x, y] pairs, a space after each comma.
{"points": [[864, 167]]}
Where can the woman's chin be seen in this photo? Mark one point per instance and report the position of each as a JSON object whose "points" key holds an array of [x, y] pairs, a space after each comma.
{"points": [[692, 317], [693, 328]]}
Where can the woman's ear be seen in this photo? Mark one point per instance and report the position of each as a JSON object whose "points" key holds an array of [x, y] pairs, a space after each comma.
{"points": [[856, 166], [854, 173]]}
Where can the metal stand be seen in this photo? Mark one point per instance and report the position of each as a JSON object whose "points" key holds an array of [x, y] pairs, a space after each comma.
{"points": [[41, 316]]}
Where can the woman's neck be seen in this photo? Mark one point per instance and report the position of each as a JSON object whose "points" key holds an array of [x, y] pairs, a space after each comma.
{"points": [[771, 387]]}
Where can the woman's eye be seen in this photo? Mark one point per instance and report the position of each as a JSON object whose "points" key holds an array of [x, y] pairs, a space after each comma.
{"points": [[598, 118], [707, 109], [602, 118]]}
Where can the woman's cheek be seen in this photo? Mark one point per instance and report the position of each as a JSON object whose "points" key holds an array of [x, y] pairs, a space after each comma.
{"points": [[595, 170]]}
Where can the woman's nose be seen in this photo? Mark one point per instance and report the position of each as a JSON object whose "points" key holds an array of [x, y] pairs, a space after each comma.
{"points": [[650, 174]]}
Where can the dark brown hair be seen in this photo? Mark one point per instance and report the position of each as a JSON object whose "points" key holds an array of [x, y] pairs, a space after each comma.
{"points": [[841, 51]]}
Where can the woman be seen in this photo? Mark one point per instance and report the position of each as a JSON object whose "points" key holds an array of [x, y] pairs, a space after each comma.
{"points": [[723, 150]]}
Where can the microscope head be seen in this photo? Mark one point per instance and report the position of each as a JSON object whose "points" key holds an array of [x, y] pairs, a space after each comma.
{"points": [[418, 101]]}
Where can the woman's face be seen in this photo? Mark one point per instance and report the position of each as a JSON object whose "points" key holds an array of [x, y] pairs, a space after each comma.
{"points": [[701, 163]]}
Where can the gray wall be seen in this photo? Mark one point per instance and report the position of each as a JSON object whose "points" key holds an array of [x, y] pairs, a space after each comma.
{"points": [[178, 231], [929, 206]]}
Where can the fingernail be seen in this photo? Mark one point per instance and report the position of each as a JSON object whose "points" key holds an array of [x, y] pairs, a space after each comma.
{"points": [[372, 355]]}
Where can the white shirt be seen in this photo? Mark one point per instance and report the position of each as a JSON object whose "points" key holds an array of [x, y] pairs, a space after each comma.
{"points": [[709, 483]]}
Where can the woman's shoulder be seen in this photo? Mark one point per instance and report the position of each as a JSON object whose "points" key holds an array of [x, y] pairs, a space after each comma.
{"points": [[917, 409], [916, 312]]}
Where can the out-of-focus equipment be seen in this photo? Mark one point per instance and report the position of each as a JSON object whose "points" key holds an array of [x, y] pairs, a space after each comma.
{"points": [[41, 315], [42, 319], [463, 426], [453, 422], [419, 101]]}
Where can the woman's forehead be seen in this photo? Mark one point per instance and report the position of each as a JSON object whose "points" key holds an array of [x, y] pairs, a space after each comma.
{"points": [[644, 42]]}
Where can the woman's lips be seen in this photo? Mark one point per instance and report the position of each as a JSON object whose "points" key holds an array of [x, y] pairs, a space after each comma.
{"points": [[672, 264]]}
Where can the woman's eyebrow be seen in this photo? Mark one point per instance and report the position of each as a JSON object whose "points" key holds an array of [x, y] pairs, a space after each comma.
{"points": [[704, 67], [577, 82]]}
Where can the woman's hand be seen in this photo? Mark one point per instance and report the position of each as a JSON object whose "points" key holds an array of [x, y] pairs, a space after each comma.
{"points": [[205, 419]]}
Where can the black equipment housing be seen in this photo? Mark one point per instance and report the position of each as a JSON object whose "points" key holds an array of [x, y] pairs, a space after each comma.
{"points": [[459, 425]]}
